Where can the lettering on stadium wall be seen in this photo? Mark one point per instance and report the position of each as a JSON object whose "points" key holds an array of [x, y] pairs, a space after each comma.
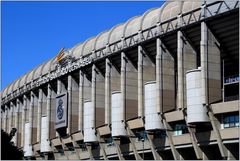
{"points": [[61, 111]]}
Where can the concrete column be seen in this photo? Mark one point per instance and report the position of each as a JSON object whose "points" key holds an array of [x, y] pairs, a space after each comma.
{"points": [[39, 115], [140, 82], [159, 76], [10, 118], [93, 94], [108, 92], [31, 116], [49, 96], [81, 93], [180, 71], [203, 52], [69, 89], [17, 121], [6, 118], [59, 86], [24, 109], [123, 83]]}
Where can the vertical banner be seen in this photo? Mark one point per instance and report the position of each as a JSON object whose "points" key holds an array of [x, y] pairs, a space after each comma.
{"points": [[61, 111]]}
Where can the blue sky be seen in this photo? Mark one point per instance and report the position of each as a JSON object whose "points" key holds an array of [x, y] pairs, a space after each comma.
{"points": [[33, 32]]}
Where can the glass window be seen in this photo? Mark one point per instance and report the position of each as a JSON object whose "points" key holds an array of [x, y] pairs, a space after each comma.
{"points": [[180, 129], [230, 121]]}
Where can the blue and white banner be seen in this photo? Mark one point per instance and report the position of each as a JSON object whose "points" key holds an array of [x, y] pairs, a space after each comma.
{"points": [[61, 111]]}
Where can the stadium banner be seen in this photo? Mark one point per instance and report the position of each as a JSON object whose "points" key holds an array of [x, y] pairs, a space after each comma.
{"points": [[61, 111]]}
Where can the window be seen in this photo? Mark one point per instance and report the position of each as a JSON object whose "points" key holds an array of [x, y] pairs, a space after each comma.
{"points": [[141, 135], [230, 121], [109, 141], [180, 129]]}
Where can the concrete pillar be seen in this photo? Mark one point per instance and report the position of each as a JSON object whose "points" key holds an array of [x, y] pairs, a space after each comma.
{"points": [[17, 121], [10, 114], [81, 93], [108, 92], [204, 64], [39, 114], [123, 83], [24, 111], [93, 93], [48, 113], [6, 118], [59, 86], [159, 76], [69, 90], [140, 82], [180, 71], [31, 116]]}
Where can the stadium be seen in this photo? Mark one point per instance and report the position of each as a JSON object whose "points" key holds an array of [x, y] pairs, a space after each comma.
{"points": [[162, 86]]}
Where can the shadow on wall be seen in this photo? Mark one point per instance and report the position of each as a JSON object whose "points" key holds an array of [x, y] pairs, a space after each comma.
{"points": [[8, 150]]}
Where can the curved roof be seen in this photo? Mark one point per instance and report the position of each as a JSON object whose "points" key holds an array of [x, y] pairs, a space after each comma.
{"points": [[132, 26]]}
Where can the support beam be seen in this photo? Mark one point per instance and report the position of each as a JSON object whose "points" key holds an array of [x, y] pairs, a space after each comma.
{"points": [[119, 153], [10, 114], [31, 110], [130, 135], [89, 149], [175, 153], [123, 83], [222, 148], [198, 152], [81, 96], [180, 71], [93, 94], [48, 113], [17, 122], [101, 146], [156, 156], [69, 90], [24, 111], [140, 82], [159, 76], [6, 118], [39, 115], [108, 92], [204, 63]]}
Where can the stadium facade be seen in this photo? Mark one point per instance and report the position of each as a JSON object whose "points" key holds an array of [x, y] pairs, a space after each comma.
{"points": [[163, 85]]}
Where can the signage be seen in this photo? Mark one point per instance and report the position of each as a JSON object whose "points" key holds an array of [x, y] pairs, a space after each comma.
{"points": [[61, 111]]}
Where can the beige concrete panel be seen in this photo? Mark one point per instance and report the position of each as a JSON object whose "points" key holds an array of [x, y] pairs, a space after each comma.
{"points": [[74, 123], [181, 139], [66, 140], [174, 116], [229, 133], [56, 141], [104, 130], [77, 136], [84, 155], [214, 90], [136, 123], [72, 156], [131, 108], [87, 89], [232, 106], [139, 145], [44, 108], [111, 150], [52, 130], [34, 135], [100, 116], [115, 80]]}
